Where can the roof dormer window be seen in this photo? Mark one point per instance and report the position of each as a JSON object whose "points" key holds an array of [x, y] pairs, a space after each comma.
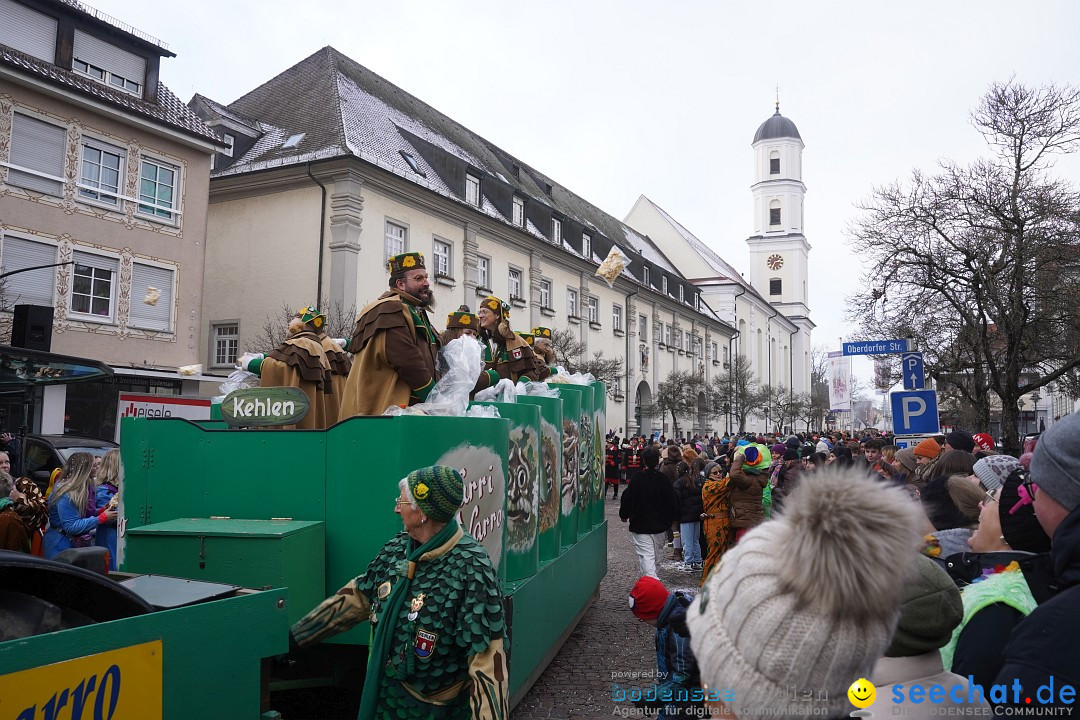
{"points": [[108, 64], [230, 141]]}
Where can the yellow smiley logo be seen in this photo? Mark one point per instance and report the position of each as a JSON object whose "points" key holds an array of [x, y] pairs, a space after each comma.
{"points": [[466, 320], [409, 261], [420, 491], [861, 693]]}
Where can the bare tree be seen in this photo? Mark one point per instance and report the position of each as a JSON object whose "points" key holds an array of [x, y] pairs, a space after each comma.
{"points": [[339, 324], [738, 392], [980, 262], [678, 395], [570, 354]]}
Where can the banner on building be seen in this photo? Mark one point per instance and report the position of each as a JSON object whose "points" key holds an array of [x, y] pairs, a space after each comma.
{"points": [[839, 382]]}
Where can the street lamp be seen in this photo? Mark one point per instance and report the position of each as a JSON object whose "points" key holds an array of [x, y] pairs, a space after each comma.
{"points": [[1021, 425], [1036, 397]]}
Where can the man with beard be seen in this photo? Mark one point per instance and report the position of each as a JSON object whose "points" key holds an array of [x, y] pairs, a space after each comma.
{"points": [[299, 362], [394, 344]]}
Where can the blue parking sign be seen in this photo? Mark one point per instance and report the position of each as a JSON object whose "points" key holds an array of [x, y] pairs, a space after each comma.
{"points": [[911, 365], [915, 412]]}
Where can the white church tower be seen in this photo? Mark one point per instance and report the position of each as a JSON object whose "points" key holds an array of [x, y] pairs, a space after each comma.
{"points": [[779, 252]]}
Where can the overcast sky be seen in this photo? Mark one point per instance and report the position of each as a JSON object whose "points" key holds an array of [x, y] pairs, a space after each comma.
{"points": [[616, 99]]}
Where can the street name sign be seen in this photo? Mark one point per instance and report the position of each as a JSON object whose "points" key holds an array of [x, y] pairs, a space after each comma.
{"points": [[911, 365], [915, 412], [876, 347]]}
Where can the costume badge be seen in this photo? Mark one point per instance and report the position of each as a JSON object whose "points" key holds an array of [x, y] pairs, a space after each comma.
{"points": [[415, 605], [384, 590], [424, 643], [517, 354]]}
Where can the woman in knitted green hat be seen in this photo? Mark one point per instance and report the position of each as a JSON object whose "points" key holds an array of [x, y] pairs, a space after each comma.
{"points": [[434, 604]]}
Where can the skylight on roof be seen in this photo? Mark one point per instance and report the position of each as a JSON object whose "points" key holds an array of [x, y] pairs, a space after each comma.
{"points": [[412, 163], [293, 140]]}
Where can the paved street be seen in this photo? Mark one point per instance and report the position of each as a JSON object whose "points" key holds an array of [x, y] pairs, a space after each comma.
{"points": [[609, 639]]}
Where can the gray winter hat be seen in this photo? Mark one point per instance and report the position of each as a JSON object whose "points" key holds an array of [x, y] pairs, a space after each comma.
{"points": [[992, 470], [1055, 465], [817, 615]]}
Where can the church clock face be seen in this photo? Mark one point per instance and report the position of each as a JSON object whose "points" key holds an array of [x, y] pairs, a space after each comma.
{"points": [[775, 262]]}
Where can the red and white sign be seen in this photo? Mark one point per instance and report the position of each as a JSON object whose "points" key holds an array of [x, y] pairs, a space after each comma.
{"points": [[161, 406]]}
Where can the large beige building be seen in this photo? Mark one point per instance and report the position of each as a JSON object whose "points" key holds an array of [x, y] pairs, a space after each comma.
{"points": [[331, 169], [105, 172]]}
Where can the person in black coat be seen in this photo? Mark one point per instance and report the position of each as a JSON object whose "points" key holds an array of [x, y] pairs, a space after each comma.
{"points": [[1042, 650], [688, 490], [650, 505]]}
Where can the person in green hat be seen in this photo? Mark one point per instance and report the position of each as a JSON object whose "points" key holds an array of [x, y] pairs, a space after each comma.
{"points": [[542, 339], [461, 322], [394, 344], [435, 609], [506, 355], [299, 362]]}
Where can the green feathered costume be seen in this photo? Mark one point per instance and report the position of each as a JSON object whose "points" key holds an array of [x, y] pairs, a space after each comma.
{"points": [[444, 657]]}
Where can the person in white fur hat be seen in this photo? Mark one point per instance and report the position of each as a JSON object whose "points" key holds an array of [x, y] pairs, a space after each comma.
{"points": [[805, 604]]}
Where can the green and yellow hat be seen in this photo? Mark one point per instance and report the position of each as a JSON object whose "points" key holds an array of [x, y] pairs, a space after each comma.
{"points": [[462, 319], [438, 491], [311, 315], [526, 336], [542, 332], [496, 306], [403, 262]]}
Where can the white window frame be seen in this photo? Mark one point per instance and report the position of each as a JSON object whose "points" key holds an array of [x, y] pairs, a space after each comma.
{"points": [[586, 246], [571, 302], [519, 211], [658, 332], [109, 319], [616, 317], [514, 276], [545, 293], [556, 231], [390, 239], [155, 206], [106, 77], [663, 284], [87, 190], [643, 326], [667, 334], [230, 142], [682, 291], [592, 308], [483, 272], [25, 287], [218, 338], [645, 277], [442, 262], [165, 301], [472, 189]]}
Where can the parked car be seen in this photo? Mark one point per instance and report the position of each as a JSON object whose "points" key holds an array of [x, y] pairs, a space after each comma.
{"points": [[45, 453]]}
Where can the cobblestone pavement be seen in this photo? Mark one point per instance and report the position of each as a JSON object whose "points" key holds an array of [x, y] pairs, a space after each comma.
{"points": [[609, 639]]}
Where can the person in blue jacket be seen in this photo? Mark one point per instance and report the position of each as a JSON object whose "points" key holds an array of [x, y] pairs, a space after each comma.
{"points": [[678, 682], [108, 486], [73, 516]]}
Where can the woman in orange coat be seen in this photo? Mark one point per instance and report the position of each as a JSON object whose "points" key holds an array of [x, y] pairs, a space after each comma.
{"points": [[719, 536]]}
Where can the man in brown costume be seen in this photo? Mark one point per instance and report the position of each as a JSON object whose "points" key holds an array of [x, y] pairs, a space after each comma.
{"points": [[299, 362], [340, 365], [394, 344]]}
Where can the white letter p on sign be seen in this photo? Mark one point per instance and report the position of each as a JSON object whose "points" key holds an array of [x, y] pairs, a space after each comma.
{"points": [[908, 404]]}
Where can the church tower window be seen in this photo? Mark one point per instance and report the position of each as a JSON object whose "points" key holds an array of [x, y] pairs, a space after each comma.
{"points": [[774, 164], [776, 286], [774, 216]]}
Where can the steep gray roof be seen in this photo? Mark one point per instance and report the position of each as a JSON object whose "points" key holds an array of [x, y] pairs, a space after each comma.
{"points": [[775, 127], [342, 108], [168, 110]]}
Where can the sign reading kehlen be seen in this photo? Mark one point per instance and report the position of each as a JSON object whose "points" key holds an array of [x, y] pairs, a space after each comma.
{"points": [[263, 406]]}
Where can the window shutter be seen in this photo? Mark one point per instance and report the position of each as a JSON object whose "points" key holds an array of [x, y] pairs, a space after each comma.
{"points": [[96, 261], [27, 30], [109, 57], [34, 287], [38, 146], [151, 317]]}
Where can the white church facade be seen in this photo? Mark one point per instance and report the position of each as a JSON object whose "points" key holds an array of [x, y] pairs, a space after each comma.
{"points": [[768, 305]]}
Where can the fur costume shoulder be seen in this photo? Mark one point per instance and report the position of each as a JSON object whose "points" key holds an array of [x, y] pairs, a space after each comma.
{"points": [[304, 353], [387, 312]]}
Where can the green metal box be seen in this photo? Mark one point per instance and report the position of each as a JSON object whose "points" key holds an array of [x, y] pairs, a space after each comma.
{"points": [[250, 553]]}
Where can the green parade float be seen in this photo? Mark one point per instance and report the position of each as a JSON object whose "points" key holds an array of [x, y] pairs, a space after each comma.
{"points": [[282, 519]]}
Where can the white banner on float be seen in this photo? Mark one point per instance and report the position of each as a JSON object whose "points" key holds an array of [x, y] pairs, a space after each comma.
{"points": [[839, 382]]}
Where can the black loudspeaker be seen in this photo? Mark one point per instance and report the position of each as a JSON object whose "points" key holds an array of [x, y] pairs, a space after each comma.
{"points": [[32, 328]]}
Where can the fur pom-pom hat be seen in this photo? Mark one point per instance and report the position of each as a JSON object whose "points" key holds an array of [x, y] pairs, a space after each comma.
{"points": [[809, 598]]}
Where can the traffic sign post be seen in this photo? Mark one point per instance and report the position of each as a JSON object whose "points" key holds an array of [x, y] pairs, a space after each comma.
{"points": [[876, 347], [915, 412], [911, 365]]}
